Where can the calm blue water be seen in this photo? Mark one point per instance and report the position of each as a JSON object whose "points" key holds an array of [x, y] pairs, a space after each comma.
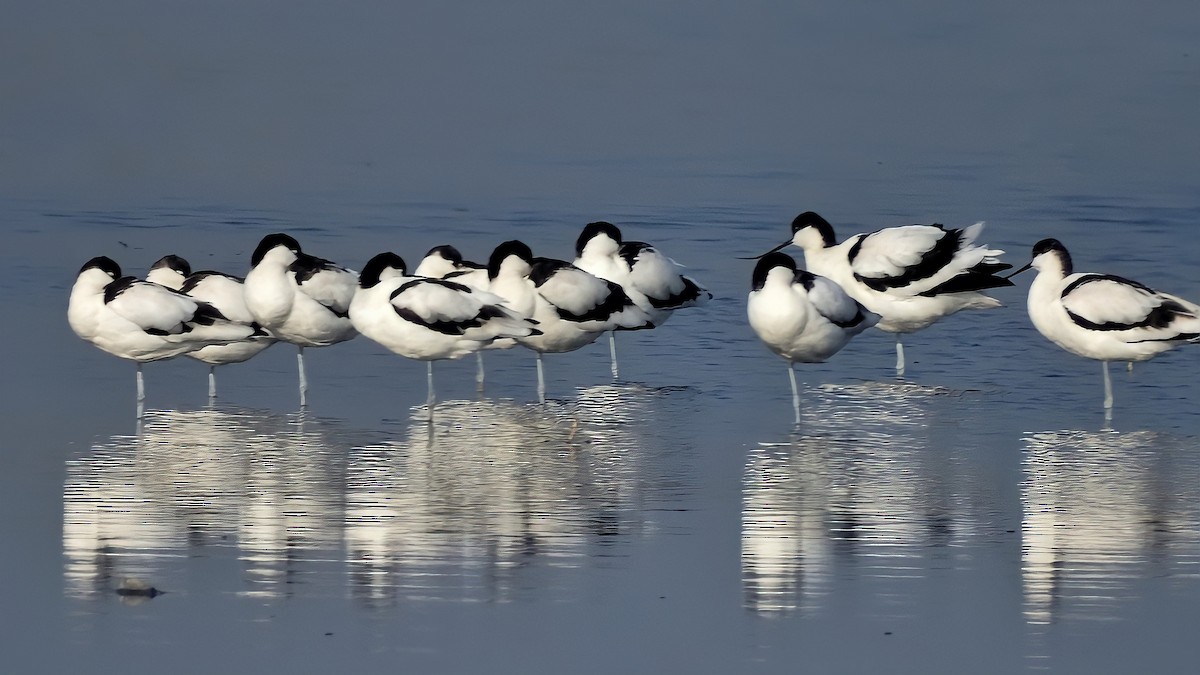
{"points": [[979, 516]]}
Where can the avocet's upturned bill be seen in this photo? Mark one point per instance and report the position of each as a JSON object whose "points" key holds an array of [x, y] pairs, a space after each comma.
{"points": [[226, 293], [143, 321], [802, 317], [1102, 316], [300, 298], [571, 306], [429, 319], [911, 276], [651, 279]]}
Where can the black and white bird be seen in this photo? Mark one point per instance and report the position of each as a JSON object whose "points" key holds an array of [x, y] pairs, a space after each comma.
{"points": [[299, 298], [429, 319], [445, 262], [571, 306], [143, 321], [802, 317], [1102, 316], [651, 279], [226, 293], [911, 275]]}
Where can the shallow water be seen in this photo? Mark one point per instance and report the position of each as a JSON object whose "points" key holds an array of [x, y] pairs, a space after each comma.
{"points": [[981, 515]]}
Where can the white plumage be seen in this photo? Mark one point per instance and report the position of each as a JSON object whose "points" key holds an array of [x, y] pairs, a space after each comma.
{"points": [[227, 294], [445, 262], [1104, 317], [801, 316], [651, 279], [429, 319], [911, 276], [143, 321], [299, 298], [571, 306]]}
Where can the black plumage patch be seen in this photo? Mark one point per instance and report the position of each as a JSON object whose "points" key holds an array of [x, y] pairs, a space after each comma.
{"points": [[443, 327], [195, 278], [307, 266], [116, 288], [690, 293], [630, 251], [541, 269], [206, 314], [932, 261], [1159, 317]]}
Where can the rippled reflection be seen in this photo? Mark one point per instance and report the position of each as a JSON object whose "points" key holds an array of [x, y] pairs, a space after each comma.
{"points": [[492, 498], [859, 486], [1102, 510], [485, 500], [268, 484]]}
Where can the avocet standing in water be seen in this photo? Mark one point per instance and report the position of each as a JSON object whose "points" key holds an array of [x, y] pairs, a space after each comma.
{"points": [[299, 298], [226, 293], [911, 275], [429, 319], [800, 316], [143, 321], [1102, 316], [445, 262], [572, 307], [651, 279]]}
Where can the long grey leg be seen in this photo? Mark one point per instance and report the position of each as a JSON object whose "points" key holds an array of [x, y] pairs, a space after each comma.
{"points": [[1108, 399], [212, 382], [795, 391], [899, 356], [303, 378], [612, 351], [541, 380]]}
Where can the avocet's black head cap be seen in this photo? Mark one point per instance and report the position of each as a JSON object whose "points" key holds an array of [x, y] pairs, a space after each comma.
{"points": [[375, 267], [271, 241], [1056, 247], [767, 263], [811, 219], [448, 252], [1048, 245], [104, 264], [511, 247], [173, 262], [591, 230]]}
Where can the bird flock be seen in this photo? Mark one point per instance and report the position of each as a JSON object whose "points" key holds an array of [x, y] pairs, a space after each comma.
{"points": [[897, 279], [445, 309]]}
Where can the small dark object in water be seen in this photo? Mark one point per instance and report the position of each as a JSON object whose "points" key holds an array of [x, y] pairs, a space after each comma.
{"points": [[133, 588], [140, 592]]}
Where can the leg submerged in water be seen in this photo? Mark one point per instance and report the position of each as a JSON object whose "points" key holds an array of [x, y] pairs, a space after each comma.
{"points": [[303, 378], [612, 351], [795, 391]]}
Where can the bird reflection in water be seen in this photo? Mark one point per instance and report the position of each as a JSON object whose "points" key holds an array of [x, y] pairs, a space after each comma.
{"points": [[268, 486], [481, 501], [491, 498], [858, 488], [1101, 510]]}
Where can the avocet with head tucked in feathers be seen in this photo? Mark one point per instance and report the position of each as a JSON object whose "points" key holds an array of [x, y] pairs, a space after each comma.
{"points": [[143, 321], [572, 307], [429, 319], [1104, 317], [800, 316], [651, 279], [226, 293], [911, 275], [445, 262], [299, 298]]}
